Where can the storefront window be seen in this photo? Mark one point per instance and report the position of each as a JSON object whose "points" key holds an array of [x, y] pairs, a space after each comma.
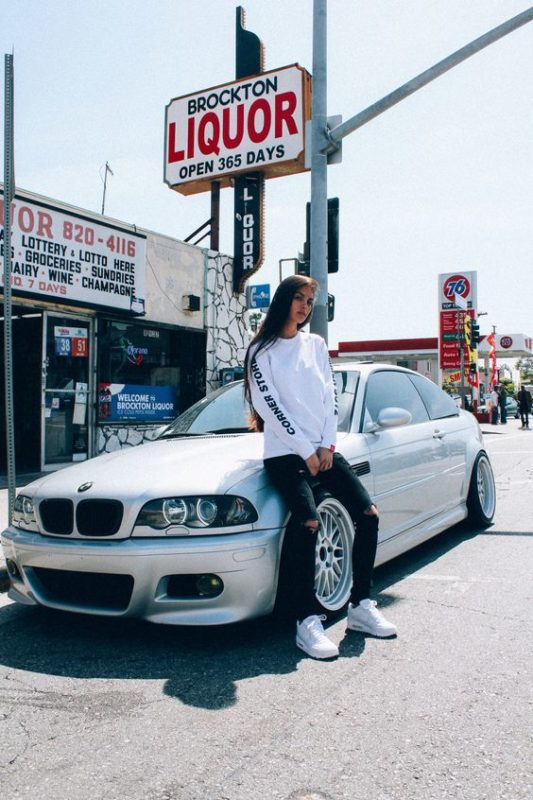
{"points": [[148, 373]]}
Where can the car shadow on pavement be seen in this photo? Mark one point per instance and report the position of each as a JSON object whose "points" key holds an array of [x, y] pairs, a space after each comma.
{"points": [[420, 556], [200, 666]]}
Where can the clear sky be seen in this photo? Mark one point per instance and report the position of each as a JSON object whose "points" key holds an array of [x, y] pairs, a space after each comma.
{"points": [[441, 183]]}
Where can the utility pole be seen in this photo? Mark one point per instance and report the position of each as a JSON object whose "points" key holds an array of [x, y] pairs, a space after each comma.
{"points": [[319, 167]]}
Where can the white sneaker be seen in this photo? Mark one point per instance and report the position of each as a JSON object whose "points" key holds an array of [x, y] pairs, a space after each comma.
{"points": [[310, 638], [366, 617]]}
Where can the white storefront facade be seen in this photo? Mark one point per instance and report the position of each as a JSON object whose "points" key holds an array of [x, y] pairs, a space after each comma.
{"points": [[116, 330]]}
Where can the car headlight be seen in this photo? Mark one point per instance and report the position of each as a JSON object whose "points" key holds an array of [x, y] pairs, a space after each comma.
{"points": [[196, 512], [24, 513]]}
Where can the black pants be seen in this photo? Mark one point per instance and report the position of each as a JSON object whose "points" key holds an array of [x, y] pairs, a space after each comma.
{"points": [[524, 417], [290, 476]]}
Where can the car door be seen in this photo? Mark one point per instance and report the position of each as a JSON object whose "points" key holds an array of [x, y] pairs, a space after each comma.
{"points": [[352, 445], [450, 427], [406, 461]]}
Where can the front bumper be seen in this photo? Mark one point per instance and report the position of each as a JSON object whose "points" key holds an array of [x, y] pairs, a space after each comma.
{"points": [[133, 577]]}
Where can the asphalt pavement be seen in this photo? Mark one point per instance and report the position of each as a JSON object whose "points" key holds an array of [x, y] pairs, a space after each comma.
{"points": [[22, 480], [106, 708]]}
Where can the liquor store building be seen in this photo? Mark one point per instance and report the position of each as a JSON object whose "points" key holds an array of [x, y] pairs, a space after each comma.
{"points": [[115, 330]]}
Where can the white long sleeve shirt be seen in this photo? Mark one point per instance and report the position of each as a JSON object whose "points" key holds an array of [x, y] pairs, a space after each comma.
{"points": [[293, 390]]}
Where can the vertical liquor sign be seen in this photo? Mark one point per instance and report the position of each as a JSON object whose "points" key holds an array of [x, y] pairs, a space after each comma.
{"points": [[457, 298], [248, 228], [249, 194]]}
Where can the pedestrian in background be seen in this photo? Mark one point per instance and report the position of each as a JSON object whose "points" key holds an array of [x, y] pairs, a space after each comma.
{"points": [[524, 406], [290, 387], [494, 399], [502, 402]]}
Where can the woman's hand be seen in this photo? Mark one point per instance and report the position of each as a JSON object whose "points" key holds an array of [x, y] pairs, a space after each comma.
{"points": [[325, 458], [313, 464]]}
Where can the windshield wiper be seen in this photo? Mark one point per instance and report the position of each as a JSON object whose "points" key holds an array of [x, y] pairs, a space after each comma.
{"points": [[230, 430], [183, 434]]}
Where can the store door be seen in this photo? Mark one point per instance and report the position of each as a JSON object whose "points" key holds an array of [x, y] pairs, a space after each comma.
{"points": [[67, 376]]}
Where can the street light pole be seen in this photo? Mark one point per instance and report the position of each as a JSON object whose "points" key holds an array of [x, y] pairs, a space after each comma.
{"points": [[326, 140], [319, 165]]}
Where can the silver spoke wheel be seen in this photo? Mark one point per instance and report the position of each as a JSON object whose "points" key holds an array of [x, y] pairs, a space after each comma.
{"points": [[481, 499], [333, 566], [486, 489]]}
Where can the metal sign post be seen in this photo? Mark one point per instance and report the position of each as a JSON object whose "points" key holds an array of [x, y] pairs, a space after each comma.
{"points": [[9, 192]]}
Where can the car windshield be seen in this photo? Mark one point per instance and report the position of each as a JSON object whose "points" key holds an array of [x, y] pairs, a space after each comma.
{"points": [[225, 410]]}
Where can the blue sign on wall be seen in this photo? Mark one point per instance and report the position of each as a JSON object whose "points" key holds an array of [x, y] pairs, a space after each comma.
{"points": [[259, 296], [126, 403]]}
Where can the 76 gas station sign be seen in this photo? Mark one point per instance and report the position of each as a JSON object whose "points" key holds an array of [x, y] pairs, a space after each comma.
{"points": [[457, 297]]}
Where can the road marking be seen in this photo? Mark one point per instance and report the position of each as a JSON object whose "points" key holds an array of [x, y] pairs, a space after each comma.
{"points": [[456, 584], [515, 453], [435, 577]]}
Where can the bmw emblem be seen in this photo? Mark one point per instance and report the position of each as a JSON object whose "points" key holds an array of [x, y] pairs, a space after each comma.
{"points": [[85, 486]]}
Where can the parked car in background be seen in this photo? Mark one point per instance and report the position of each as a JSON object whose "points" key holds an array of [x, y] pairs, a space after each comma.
{"points": [[512, 407], [187, 529]]}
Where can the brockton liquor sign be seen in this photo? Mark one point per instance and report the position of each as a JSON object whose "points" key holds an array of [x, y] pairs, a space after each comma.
{"points": [[256, 123]]}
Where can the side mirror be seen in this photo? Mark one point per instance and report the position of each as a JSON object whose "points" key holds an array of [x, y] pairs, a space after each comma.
{"points": [[391, 417]]}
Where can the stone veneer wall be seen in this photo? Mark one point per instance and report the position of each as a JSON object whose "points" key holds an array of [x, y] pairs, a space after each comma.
{"points": [[227, 340], [117, 437], [225, 322]]}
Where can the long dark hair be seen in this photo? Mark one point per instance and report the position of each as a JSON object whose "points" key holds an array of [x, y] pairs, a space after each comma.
{"points": [[270, 329]]}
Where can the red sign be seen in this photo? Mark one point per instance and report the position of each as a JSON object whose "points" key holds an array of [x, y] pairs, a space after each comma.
{"points": [[449, 355], [451, 339], [506, 342], [80, 347]]}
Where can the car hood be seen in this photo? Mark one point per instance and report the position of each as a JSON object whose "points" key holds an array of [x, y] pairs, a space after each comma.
{"points": [[199, 464]]}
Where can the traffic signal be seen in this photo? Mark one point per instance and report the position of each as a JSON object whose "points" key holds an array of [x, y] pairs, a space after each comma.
{"points": [[304, 264], [331, 307], [467, 327], [473, 369], [474, 334], [333, 238], [333, 234]]}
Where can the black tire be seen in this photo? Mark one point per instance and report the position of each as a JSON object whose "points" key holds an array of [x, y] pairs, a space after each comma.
{"points": [[333, 566], [481, 501]]}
